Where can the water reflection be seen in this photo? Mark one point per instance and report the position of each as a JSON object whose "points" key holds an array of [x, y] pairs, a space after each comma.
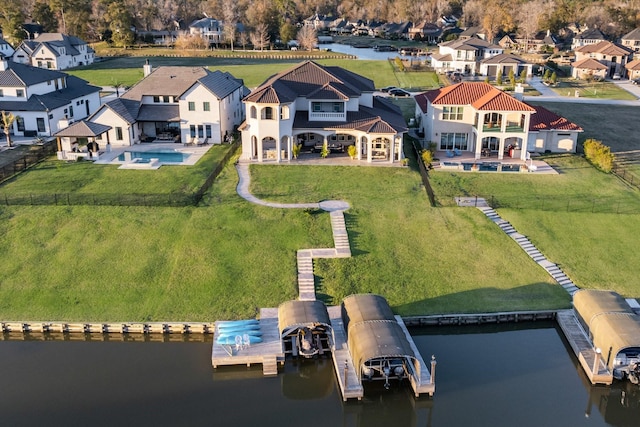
{"points": [[501, 375]]}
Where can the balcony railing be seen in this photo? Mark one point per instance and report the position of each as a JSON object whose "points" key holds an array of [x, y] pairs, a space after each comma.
{"points": [[326, 115]]}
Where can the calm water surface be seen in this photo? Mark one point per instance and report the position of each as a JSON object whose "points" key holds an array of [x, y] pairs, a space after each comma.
{"points": [[488, 376]]}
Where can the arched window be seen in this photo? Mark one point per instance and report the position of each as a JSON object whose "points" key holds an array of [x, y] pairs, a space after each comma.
{"points": [[253, 112], [267, 113]]}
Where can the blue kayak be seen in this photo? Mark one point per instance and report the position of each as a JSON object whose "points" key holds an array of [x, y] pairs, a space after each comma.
{"points": [[234, 323], [238, 329], [225, 334], [232, 340]]}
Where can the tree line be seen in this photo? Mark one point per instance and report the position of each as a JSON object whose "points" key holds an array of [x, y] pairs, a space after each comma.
{"points": [[117, 20]]}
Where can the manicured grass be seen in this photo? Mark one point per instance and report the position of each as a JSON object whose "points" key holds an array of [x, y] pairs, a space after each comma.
{"points": [[56, 177], [424, 260], [597, 90], [128, 70], [612, 124]]}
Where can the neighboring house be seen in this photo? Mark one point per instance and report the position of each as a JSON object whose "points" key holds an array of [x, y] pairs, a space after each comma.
{"points": [[588, 68], [188, 104], [632, 40], [537, 42], [6, 50], [504, 63], [208, 28], [426, 32], [162, 37], [311, 105], [478, 118], [54, 51], [393, 30], [611, 55], [633, 69], [41, 98], [587, 37], [318, 22], [463, 55]]}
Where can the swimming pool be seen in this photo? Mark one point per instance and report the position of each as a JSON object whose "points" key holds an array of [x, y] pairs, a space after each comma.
{"points": [[163, 156]]}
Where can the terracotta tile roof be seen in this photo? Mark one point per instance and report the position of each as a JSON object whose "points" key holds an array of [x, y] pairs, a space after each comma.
{"points": [[633, 65], [544, 119], [589, 64], [309, 78], [480, 95], [605, 48], [328, 91]]}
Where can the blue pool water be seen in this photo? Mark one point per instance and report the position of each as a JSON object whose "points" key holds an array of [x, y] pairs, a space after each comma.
{"points": [[164, 156]]}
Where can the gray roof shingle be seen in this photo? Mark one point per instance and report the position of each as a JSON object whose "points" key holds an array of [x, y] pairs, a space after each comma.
{"points": [[20, 75]]}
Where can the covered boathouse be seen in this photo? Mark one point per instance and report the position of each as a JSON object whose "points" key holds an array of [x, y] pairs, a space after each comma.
{"points": [[305, 328], [380, 347], [613, 328]]}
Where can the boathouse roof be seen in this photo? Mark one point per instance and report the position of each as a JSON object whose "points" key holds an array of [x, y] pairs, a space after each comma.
{"points": [[589, 303], [296, 314], [364, 307], [377, 339]]}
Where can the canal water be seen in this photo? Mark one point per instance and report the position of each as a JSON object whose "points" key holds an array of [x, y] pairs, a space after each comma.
{"points": [[364, 53], [504, 375]]}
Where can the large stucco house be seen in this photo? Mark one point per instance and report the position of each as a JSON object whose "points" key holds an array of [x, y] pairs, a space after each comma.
{"points": [[310, 104], [613, 56], [41, 98], [476, 117], [55, 51], [464, 55], [187, 104]]}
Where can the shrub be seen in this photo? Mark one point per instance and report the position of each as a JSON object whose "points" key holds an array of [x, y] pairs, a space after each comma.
{"points": [[325, 150], [427, 157], [598, 154], [399, 63], [295, 150], [352, 151]]}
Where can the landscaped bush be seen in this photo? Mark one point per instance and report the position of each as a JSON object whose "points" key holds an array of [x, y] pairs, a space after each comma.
{"points": [[598, 155]]}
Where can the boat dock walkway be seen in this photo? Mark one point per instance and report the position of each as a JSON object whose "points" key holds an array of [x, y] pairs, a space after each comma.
{"points": [[596, 369], [268, 352], [348, 381], [423, 384]]}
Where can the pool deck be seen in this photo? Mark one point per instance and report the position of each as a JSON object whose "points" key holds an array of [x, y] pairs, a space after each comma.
{"points": [[455, 163], [196, 153]]}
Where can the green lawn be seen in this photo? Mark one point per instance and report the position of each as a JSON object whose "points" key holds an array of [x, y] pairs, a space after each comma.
{"points": [[603, 90], [55, 177], [128, 70]]}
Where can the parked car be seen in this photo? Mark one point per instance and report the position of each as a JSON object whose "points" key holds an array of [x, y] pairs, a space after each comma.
{"points": [[388, 88], [616, 76], [635, 81], [399, 93]]}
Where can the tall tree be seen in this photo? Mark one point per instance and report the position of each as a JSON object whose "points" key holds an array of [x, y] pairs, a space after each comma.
{"points": [[11, 19], [230, 22], [43, 15], [307, 37], [260, 37], [120, 21]]}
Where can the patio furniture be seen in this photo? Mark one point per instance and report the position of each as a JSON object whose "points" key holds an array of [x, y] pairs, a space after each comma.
{"points": [[449, 153], [457, 152]]}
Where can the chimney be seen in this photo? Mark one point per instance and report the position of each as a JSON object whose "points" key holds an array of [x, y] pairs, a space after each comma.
{"points": [[4, 63], [519, 92], [63, 123], [146, 69]]}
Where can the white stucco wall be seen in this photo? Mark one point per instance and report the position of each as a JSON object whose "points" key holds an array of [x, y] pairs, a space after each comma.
{"points": [[106, 116]]}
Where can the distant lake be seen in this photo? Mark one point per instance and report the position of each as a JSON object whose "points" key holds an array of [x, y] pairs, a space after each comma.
{"points": [[496, 376], [364, 53]]}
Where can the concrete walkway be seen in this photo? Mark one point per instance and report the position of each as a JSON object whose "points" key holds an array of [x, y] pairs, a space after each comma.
{"points": [[556, 272], [336, 208]]}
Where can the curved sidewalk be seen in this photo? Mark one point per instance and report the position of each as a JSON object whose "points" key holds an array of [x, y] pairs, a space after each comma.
{"points": [[336, 208]]}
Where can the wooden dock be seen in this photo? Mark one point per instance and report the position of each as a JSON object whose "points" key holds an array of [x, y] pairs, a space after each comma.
{"points": [[421, 383], [350, 385], [596, 369], [268, 353]]}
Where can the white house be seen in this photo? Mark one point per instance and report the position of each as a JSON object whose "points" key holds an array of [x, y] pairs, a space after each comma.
{"points": [[188, 104], [464, 55], [478, 118], [312, 105], [40, 98], [55, 51], [208, 28], [6, 50]]}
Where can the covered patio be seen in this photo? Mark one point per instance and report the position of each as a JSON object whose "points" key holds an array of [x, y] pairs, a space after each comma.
{"points": [[79, 140]]}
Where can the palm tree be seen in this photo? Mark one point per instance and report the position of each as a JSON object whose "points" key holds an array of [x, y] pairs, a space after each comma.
{"points": [[7, 120]]}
